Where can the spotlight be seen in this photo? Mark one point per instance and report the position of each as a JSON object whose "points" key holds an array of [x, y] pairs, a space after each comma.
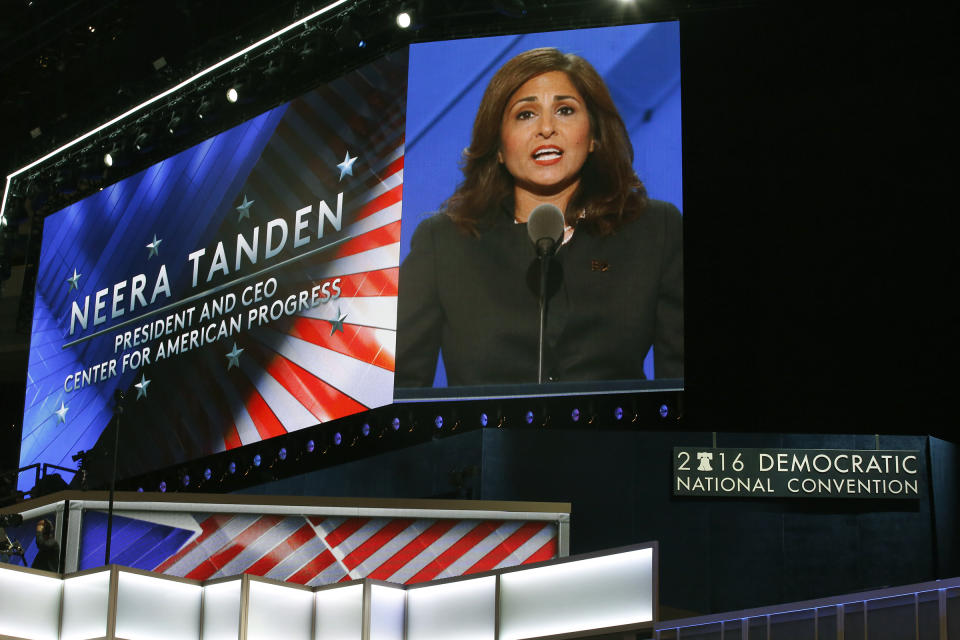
{"points": [[365, 429], [664, 411], [186, 480], [232, 95], [257, 460], [111, 156], [618, 414], [438, 422], [403, 20], [231, 467], [173, 123], [141, 140], [395, 424], [575, 415], [282, 454], [311, 445], [484, 419], [272, 68], [529, 417], [204, 107], [207, 473], [337, 438], [163, 486], [348, 37], [139, 489]]}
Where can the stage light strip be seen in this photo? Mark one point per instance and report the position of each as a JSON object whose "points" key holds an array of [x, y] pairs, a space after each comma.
{"points": [[166, 93]]}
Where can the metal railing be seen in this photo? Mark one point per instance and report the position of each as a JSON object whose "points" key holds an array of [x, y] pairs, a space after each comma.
{"points": [[923, 611]]}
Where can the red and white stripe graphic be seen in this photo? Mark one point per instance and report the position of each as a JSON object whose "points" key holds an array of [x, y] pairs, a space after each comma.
{"points": [[337, 358], [323, 550]]}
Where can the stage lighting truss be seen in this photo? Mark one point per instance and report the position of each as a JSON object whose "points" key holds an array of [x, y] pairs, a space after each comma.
{"points": [[266, 61], [398, 426]]}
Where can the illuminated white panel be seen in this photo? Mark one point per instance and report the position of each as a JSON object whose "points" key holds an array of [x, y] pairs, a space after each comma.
{"points": [[575, 596], [340, 613], [152, 608], [277, 611], [221, 611], [85, 600], [386, 613], [465, 610], [29, 605]]}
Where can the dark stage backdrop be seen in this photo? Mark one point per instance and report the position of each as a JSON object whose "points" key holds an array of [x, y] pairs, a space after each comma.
{"points": [[821, 265], [716, 554]]}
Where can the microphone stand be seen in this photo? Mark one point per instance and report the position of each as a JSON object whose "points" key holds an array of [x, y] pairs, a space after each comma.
{"points": [[117, 411], [545, 228], [545, 248]]}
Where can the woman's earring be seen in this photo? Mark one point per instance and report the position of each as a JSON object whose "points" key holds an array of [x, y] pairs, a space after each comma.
{"points": [[500, 157]]}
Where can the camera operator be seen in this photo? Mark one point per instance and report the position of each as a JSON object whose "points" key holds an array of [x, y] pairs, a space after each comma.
{"points": [[48, 549]]}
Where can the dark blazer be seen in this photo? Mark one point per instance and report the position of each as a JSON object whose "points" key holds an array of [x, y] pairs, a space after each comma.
{"points": [[48, 554], [475, 298]]}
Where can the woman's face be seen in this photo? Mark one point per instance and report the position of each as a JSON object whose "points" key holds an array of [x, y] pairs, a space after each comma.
{"points": [[545, 134]]}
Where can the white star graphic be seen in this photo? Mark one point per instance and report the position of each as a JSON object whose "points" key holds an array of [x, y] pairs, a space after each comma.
{"points": [[61, 413], [244, 208], [153, 246], [346, 167], [233, 358], [73, 280], [337, 325], [142, 387]]}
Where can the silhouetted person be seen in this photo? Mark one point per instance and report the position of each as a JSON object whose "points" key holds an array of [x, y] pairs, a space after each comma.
{"points": [[48, 549]]}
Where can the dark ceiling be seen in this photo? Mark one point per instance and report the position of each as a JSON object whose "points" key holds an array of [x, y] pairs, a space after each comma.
{"points": [[66, 66]]}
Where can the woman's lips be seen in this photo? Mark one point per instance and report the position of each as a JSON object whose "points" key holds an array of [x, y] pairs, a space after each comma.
{"points": [[547, 155]]}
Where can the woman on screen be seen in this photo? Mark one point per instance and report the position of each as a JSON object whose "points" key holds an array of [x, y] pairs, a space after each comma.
{"points": [[547, 131]]}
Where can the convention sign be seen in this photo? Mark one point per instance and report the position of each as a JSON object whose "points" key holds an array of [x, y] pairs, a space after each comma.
{"points": [[796, 473]]}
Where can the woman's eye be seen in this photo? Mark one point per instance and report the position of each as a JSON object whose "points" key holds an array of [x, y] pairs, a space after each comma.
{"points": [[525, 115], [565, 110]]}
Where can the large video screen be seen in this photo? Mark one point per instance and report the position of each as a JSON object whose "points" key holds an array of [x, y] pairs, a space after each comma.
{"points": [[260, 282], [237, 291], [586, 120]]}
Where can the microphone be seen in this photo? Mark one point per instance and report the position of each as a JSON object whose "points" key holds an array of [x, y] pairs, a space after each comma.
{"points": [[545, 228]]}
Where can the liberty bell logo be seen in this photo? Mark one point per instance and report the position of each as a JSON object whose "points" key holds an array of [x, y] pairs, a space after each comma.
{"points": [[704, 457]]}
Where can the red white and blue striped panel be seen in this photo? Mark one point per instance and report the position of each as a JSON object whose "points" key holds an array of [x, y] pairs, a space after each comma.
{"points": [[323, 550]]}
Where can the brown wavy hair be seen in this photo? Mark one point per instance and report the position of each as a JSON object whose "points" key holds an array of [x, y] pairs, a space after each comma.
{"points": [[609, 194]]}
